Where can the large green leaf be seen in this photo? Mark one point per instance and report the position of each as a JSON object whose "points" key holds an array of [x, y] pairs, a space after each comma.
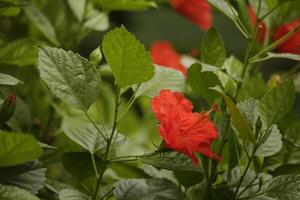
{"points": [[69, 76], [249, 110], [213, 50], [6, 79], [285, 187], [276, 103], [15, 193], [71, 194], [164, 78], [272, 144], [254, 87], [127, 57], [201, 82], [147, 189], [40, 21], [17, 148], [79, 164], [239, 121], [29, 176], [127, 5], [171, 161], [19, 52]]}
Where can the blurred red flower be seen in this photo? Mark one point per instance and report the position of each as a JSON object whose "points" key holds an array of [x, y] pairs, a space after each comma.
{"points": [[292, 45], [263, 29], [181, 129], [197, 11], [164, 54]]}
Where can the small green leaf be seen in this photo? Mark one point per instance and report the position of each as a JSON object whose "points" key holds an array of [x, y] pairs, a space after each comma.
{"points": [[96, 20], [276, 103], [272, 144], [69, 76], [9, 8], [249, 110], [78, 8], [171, 161], [15, 193], [6, 79], [29, 176], [238, 120], [40, 21], [233, 67], [127, 57], [17, 148], [224, 7], [147, 189], [213, 50], [19, 52], [126, 5], [164, 78], [201, 82], [254, 87], [72, 194]]}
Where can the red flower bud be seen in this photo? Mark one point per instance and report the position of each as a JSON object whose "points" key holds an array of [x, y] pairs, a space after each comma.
{"points": [[8, 108]]}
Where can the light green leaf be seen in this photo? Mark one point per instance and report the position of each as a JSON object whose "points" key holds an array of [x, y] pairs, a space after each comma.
{"points": [[201, 82], [40, 21], [69, 76], [213, 50], [6, 79], [72, 194], [147, 189], [227, 9], [171, 161], [233, 67], [9, 8], [164, 78], [96, 20], [78, 8], [254, 87], [276, 103], [284, 187], [127, 5], [15, 193], [271, 55], [19, 52], [272, 144], [17, 148], [29, 176], [238, 120], [127, 57], [249, 110]]}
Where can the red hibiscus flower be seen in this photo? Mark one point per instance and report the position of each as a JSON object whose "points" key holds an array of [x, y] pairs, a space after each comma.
{"points": [[164, 54], [197, 11], [181, 129], [292, 45], [263, 29]]}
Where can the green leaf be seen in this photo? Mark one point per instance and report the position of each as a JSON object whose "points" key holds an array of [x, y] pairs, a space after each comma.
{"points": [[15, 193], [72, 194], [284, 187], [78, 8], [6, 79], [79, 164], [171, 161], [127, 57], [239, 121], [201, 82], [254, 87], [197, 192], [40, 21], [147, 189], [9, 8], [126, 5], [213, 50], [271, 55], [19, 52], [86, 135], [276, 103], [249, 110], [272, 144], [96, 20], [234, 68], [29, 176], [16, 148], [224, 7], [69, 76], [164, 78]]}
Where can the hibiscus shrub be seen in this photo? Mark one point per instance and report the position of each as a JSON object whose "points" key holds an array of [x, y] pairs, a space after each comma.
{"points": [[125, 123]]}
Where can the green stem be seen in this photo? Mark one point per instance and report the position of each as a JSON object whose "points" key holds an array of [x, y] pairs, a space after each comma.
{"points": [[90, 119], [94, 165], [109, 142], [269, 12]]}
